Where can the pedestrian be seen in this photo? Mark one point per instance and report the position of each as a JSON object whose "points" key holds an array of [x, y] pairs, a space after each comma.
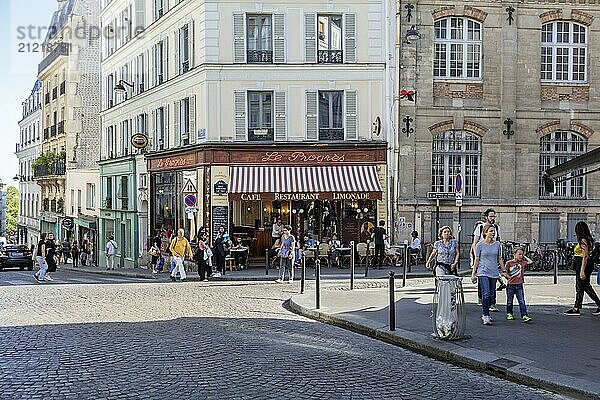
{"points": [[66, 250], [286, 255], [220, 247], [334, 253], [379, 235], [155, 253], [40, 257], [277, 230], [84, 252], [203, 257], [75, 253], [111, 251], [50, 256], [445, 253], [180, 248], [514, 271], [583, 269], [488, 257]]}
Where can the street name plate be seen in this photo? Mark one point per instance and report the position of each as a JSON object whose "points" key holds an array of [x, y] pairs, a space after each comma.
{"points": [[441, 195]]}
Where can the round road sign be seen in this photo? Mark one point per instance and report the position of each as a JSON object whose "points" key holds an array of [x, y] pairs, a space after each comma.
{"points": [[189, 200], [458, 183]]}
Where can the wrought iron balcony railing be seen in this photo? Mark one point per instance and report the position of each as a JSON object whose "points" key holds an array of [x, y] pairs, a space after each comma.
{"points": [[259, 56], [331, 133], [56, 169], [330, 56], [261, 134]]}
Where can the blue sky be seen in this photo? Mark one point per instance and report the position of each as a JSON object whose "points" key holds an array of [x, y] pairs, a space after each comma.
{"points": [[18, 70]]}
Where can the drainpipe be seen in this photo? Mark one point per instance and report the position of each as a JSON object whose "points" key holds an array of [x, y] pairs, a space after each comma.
{"points": [[136, 241]]}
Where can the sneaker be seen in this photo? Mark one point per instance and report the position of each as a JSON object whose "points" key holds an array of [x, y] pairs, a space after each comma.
{"points": [[216, 275], [48, 278], [510, 317], [37, 279], [572, 311], [205, 280], [172, 278], [501, 287], [279, 281], [526, 318], [494, 308], [486, 320], [597, 312], [478, 302]]}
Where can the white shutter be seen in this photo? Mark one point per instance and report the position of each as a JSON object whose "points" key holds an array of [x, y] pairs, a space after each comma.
{"points": [[178, 64], [351, 115], [280, 117], [193, 137], [312, 127], [241, 133], [165, 59], [153, 67], [310, 37], [176, 124], [140, 15], [191, 44], [166, 121], [350, 38], [239, 38], [278, 38], [153, 136]]}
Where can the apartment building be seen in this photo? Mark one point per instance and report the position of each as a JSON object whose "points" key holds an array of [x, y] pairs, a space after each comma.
{"points": [[28, 149], [70, 74], [252, 111], [503, 92]]}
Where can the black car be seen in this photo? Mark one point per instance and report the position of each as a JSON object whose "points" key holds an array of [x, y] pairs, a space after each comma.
{"points": [[16, 256]]}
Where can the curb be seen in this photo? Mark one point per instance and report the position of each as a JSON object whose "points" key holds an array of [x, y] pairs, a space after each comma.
{"points": [[109, 272], [452, 353]]}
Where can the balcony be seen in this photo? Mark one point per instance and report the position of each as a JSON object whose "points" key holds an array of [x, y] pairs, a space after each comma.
{"points": [[63, 88], [46, 133], [61, 49], [259, 56], [331, 133], [60, 127], [53, 130], [261, 134], [56, 169], [330, 56]]}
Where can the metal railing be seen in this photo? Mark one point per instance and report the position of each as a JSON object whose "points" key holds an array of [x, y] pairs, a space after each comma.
{"points": [[58, 168], [330, 56], [331, 133], [60, 127], [259, 56]]}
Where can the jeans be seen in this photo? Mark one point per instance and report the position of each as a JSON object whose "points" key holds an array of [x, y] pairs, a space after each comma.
{"points": [[488, 288], [110, 261], [583, 285], [286, 264], [493, 294], [43, 267], [379, 253], [178, 267], [511, 290]]}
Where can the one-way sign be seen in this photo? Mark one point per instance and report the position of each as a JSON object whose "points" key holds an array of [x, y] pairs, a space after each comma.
{"points": [[441, 195]]}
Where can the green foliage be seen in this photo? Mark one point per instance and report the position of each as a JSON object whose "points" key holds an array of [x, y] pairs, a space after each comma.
{"points": [[12, 208], [48, 158]]}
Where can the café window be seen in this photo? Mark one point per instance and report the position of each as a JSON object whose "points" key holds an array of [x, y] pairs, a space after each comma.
{"points": [[260, 116], [331, 115]]}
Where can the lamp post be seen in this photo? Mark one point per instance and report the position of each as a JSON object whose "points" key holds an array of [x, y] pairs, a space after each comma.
{"points": [[121, 86]]}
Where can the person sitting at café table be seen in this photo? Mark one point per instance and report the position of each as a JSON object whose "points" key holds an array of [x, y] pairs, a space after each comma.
{"points": [[334, 253], [415, 243], [274, 249], [239, 252], [309, 243]]}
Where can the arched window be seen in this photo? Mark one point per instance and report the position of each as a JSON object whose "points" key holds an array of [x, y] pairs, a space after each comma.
{"points": [[564, 52], [456, 152], [555, 149], [458, 47]]}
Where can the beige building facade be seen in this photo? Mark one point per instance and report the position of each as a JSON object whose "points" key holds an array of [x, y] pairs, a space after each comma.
{"points": [[504, 91]]}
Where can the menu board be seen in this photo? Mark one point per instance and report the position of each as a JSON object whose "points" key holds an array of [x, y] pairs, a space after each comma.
{"points": [[219, 217]]}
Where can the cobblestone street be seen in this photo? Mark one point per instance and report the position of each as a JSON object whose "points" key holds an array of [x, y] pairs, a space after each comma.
{"points": [[206, 341]]}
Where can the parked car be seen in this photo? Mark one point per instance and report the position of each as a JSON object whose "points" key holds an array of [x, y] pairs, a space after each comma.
{"points": [[16, 256]]}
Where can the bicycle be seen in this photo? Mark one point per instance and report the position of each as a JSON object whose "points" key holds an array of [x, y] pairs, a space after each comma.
{"points": [[542, 257], [565, 253]]}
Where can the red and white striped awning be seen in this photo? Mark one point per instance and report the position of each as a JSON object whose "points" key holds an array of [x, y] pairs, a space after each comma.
{"points": [[313, 179]]}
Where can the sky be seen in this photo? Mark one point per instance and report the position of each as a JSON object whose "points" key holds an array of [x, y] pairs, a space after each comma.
{"points": [[18, 70]]}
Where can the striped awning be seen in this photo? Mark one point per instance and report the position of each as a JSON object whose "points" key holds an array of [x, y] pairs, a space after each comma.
{"points": [[329, 180]]}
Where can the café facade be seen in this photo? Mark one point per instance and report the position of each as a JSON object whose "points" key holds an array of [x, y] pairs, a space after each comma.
{"points": [[318, 189]]}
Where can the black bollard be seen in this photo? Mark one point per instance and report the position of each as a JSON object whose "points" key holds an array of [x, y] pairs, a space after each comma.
{"points": [[392, 303], [266, 261], [367, 262], [303, 275], [318, 284], [406, 261], [352, 265], [556, 270]]}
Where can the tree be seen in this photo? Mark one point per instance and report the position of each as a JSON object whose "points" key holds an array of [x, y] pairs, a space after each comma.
{"points": [[12, 208]]}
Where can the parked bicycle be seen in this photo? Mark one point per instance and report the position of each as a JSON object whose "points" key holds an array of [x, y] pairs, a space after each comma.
{"points": [[543, 258], [564, 253]]}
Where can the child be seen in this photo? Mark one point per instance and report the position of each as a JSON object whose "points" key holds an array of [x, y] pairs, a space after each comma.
{"points": [[513, 271]]}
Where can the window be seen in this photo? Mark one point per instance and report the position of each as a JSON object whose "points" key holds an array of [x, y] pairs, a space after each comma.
{"points": [[159, 123], [564, 52], [159, 9], [141, 76], [260, 116], [331, 115], [125, 137], [260, 45], [555, 149], [110, 142], [72, 201], [456, 152], [79, 201], [110, 87], [123, 192], [159, 63], [184, 49], [184, 118], [457, 48], [109, 193], [330, 39]]}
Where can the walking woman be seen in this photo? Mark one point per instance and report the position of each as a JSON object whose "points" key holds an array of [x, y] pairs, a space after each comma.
{"points": [[50, 256], [488, 256], [445, 252], [220, 251], [75, 253], [583, 269], [203, 258]]}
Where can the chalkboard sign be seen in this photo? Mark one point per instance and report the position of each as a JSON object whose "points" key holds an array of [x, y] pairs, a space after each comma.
{"points": [[219, 217]]}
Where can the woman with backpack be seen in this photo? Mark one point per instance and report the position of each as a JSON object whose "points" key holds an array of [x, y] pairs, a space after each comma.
{"points": [[583, 266]]}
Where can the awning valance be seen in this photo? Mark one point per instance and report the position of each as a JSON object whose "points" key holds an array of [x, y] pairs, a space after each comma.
{"points": [[339, 182]]}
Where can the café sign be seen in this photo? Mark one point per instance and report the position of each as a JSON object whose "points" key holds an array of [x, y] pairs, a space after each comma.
{"points": [[305, 196], [303, 157]]}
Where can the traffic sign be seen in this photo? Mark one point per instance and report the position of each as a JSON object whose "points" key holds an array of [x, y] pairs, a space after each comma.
{"points": [[458, 183], [189, 187], [189, 200], [459, 199], [191, 210], [440, 195]]}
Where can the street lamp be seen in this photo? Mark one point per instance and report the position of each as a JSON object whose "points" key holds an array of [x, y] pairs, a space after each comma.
{"points": [[412, 34], [121, 85], [20, 178]]}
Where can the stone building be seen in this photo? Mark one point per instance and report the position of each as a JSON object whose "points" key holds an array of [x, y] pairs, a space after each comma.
{"points": [[504, 90], [27, 150]]}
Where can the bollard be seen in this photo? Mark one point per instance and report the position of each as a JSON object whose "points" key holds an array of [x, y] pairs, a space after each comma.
{"points": [[318, 284], [406, 261], [352, 265], [303, 275], [367, 262], [392, 303], [556, 270], [266, 261]]}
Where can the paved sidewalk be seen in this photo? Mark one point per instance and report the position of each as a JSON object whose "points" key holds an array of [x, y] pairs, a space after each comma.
{"points": [[553, 351]]}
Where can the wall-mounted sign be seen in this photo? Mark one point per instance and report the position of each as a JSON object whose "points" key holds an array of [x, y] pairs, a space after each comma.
{"points": [[202, 134], [139, 141], [303, 157], [67, 223], [190, 200], [377, 126], [306, 196], [220, 187]]}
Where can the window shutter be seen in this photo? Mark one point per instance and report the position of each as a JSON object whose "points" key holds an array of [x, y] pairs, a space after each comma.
{"points": [[165, 59], [176, 124], [153, 137], [350, 36], [351, 115], [191, 44], [193, 136], [241, 133], [280, 117], [178, 60], [312, 131], [153, 68], [310, 35], [166, 120], [140, 15], [239, 38], [278, 38]]}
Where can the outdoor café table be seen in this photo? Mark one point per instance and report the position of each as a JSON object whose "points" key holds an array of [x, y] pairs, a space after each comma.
{"points": [[398, 254], [242, 254], [344, 254]]}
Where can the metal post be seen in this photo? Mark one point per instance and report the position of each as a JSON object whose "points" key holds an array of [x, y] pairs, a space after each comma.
{"points": [[318, 284], [392, 303], [556, 270], [266, 261], [406, 260], [367, 262], [303, 275], [352, 265]]}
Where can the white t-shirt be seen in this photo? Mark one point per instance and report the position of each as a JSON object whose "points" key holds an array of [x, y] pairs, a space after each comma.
{"points": [[111, 248], [479, 234], [415, 244]]}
